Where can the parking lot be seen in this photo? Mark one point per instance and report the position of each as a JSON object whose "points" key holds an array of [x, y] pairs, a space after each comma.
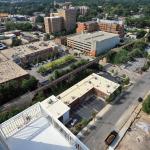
{"points": [[130, 69], [85, 109]]}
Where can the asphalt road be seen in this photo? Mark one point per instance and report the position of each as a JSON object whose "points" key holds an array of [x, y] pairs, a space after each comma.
{"points": [[95, 139]]}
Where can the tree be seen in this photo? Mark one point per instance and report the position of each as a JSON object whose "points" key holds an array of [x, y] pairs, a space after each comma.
{"points": [[39, 19], [140, 34], [9, 91], [39, 97], [146, 105], [56, 74], [24, 26], [29, 84], [126, 80], [46, 37]]}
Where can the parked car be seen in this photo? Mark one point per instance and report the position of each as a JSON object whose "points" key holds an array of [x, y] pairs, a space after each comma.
{"points": [[74, 121], [140, 99], [2, 46], [111, 137]]}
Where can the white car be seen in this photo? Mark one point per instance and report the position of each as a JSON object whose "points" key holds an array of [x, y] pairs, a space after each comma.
{"points": [[74, 122]]}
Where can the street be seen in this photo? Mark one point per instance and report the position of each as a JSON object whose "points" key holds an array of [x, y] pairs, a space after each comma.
{"points": [[95, 139]]}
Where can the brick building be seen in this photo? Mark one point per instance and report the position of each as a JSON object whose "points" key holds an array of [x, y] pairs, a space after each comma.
{"points": [[111, 26], [89, 26]]}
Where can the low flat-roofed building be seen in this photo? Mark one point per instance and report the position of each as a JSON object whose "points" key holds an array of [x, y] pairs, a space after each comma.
{"points": [[57, 108], [25, 54], [11, 71], [91, 84], [36, 129], [93, 43]]}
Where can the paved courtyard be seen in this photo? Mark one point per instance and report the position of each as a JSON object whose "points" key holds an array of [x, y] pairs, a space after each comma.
{"points": [[129, 69]]}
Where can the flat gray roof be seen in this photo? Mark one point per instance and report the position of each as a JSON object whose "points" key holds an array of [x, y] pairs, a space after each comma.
{"points": [[27, 49], [94, 36], [9, 71]]}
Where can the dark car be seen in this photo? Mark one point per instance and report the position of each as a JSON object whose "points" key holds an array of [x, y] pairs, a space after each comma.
{"points": [[111, 137], [140, 99]]}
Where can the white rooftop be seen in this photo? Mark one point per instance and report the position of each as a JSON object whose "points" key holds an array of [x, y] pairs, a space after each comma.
{"points": [[39, 135], [55, 106], [100, 83], [111, 21], [36, 129]]}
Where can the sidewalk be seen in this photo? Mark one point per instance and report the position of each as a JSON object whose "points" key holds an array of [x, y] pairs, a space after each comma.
{"points": [[124, 123]]}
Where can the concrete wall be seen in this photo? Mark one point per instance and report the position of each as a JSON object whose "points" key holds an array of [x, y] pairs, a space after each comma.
{"points": [[66, 117], [105, 45]]}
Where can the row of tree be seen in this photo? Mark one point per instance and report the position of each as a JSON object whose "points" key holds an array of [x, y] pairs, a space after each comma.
{"points": [[24, 26], [135, 50], [13, 89]]}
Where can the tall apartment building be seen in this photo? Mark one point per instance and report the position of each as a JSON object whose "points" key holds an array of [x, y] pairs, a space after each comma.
{"points": [[53, 24], [64, 19], [3, 16], [89, 26], [83, 10], [69, 17]]}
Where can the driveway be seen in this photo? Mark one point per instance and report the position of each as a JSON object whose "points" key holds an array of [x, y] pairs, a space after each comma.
{"points": [[95, 139]]}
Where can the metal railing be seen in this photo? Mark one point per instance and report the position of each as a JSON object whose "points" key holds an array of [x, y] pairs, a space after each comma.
{"points": [[23, 119], [73, 140]]}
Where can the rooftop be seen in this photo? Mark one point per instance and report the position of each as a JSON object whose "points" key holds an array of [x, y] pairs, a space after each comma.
{"points": [[93, 81], [23, 50], [55, 106], [111, 21], [36, 129], [2, 58], [9, 71], [94, 36]]}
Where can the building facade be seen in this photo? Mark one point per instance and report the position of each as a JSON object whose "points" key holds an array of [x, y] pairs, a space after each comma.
{"points": [[53, 24], [33, 52], [69, 17], [65, 19], [36, 128], [83, 10], [110, 26], [94, 43], [89, 26]]}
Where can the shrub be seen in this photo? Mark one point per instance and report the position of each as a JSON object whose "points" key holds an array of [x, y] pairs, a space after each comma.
{"points": [[39, 97], [55, 64], [7, 115], [126, 81], [146, 105], [29, 84]]}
